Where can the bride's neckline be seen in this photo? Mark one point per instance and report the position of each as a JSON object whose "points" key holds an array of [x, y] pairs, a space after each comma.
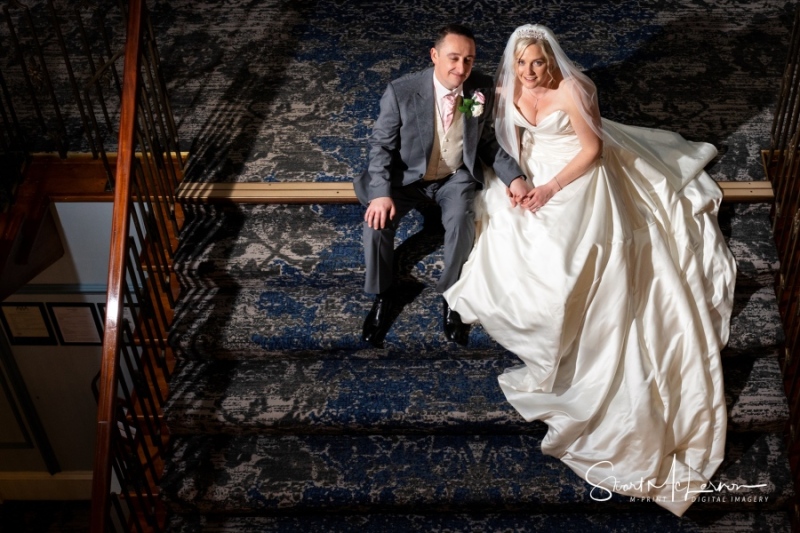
{"points": [[557, 111]]}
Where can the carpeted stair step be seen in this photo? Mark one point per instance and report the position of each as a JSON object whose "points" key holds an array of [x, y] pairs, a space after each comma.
{"points": [[401, 396], [285, 278], [269, 282], [342, 396], [326, 314], [429, 473], [322, 316], [756, 319], [748, 231], [225, 245], [609, 522], [755, 394], [221, 245]]}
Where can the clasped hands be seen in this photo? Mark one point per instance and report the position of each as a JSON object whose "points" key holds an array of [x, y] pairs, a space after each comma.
{"points": [[382, 210], [523, 194]]}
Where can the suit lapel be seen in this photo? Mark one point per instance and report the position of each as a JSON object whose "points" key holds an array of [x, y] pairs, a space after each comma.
{"points": [[424, 112], [470, 130]]}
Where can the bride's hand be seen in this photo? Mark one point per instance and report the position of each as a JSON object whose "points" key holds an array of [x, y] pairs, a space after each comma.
{"points": [[539, 196]]}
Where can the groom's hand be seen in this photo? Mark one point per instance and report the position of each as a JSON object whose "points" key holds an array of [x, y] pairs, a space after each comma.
{"points": [[379, 212], [517, 191]]}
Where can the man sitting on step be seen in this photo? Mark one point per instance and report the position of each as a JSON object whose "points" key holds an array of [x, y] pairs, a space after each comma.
{"points": [[428, 143]]}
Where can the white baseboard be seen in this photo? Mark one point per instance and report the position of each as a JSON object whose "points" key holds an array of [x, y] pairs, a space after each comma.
{"points": [[73, 485]]}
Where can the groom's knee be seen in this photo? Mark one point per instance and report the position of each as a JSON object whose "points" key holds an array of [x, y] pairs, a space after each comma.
{"points": [[378, 239], [459, 220]]}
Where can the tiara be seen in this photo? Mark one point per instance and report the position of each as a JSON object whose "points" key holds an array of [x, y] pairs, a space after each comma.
{"points": [[532, 33]]}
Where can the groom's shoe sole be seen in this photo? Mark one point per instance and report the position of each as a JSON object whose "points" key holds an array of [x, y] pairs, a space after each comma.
{"points": [[377, 323], [454, 329]]}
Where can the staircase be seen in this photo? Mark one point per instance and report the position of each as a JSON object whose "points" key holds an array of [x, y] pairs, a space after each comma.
{"points": [[283, 420]]}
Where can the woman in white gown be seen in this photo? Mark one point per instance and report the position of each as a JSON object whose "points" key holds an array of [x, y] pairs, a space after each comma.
{"points": [[610, 280]]}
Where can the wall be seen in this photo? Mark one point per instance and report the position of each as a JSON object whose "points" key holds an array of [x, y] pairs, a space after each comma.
{"points": [[58, 376]]}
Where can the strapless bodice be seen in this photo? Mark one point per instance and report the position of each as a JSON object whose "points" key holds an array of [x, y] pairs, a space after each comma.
{"points": [[552, 140]]}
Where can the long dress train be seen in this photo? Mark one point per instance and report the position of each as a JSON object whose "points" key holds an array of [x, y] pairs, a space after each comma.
{"points": [[617, 296]]}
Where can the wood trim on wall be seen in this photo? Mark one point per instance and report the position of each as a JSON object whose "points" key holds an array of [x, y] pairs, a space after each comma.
{"points": [[73, 485], [746, 191], [78, 178], [342, 192], [272, 192]]}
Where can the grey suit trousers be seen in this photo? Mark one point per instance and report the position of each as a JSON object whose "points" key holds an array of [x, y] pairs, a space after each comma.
{"points": [[454, 195]]}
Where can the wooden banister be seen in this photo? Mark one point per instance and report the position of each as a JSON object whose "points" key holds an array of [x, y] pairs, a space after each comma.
{"points": [[112, 337]]}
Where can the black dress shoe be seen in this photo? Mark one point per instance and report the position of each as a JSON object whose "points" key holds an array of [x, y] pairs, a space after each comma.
{"points": [[454, 329], [378, 321]]}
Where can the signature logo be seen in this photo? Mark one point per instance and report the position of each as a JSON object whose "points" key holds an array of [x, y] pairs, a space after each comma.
{"points": [[680, 489]]}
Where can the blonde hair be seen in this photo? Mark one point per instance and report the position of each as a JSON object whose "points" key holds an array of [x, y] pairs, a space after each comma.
{"points": [[547, 51]]}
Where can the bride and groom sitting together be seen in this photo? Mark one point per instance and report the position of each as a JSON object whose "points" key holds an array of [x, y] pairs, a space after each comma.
{"points": [[598, 258]]}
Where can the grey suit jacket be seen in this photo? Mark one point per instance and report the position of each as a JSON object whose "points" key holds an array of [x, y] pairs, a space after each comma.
{"points": [[402, 137]]}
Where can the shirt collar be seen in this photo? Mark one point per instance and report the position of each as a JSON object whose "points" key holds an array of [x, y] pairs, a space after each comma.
{"points": [[441, 90]]}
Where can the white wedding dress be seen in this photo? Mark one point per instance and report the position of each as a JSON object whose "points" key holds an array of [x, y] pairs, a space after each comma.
{"points": [[617, 296]]}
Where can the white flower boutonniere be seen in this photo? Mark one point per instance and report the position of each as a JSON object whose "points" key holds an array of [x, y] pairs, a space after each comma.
{"points": [[473, 107]]}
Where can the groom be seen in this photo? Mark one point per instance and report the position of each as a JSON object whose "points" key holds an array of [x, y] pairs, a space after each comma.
{"points": [[428, 144]]}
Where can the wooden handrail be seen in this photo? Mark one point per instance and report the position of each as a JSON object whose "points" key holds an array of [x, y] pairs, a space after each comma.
{"points": [[106, 410]]}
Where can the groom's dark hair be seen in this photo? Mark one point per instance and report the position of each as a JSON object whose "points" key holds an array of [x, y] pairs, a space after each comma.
{"points": [[457, 29]]}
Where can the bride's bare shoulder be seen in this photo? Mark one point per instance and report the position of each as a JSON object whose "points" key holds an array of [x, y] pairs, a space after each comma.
{"points": [[570, 92], [566, 85]]}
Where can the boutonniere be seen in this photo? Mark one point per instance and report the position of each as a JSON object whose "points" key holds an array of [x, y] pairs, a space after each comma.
{"points": [[473, 107]]}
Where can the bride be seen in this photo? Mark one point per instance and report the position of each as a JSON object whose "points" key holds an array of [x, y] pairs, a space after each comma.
{"points": [[609, 279]]}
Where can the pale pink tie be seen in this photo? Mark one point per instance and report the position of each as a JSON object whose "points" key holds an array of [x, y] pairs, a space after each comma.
{"points": [[448, 110]]}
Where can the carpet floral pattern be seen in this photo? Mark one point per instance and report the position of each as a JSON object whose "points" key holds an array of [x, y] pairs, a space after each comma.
{"points": [[282, 418]]}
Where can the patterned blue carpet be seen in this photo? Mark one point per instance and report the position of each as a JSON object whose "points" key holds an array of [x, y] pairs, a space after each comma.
{"points": [[282, 418], [288, 90], [289, 277], [278, 406], [487, 522]]}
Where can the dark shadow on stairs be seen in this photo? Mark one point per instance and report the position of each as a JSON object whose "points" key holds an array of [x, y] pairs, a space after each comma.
{"points": [[746, 285], [218, 154], [201, 287], [227, 138], [689, 78]]}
